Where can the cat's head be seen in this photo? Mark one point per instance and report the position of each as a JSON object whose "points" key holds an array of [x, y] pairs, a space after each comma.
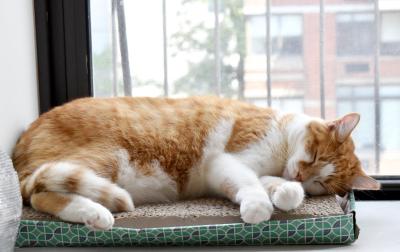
{"points": [[331, 165]]}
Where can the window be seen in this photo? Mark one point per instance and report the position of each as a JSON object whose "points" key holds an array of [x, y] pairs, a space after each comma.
{"points": [[286, 34], [361, 99], [390, 33], [291, 103], [357, 68], [322, 61], [355, 34]]}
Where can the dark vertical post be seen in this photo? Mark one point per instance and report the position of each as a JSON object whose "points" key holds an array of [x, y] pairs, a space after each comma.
{"points": [[165, 47], [123, 45], [114, 47]]}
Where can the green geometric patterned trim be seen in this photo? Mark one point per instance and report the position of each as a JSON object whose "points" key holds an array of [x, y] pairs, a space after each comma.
{"points": [[327, 230]]}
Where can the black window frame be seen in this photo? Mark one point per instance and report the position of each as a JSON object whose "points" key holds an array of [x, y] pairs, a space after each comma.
{"points": [[65, 70], [63, 51]]}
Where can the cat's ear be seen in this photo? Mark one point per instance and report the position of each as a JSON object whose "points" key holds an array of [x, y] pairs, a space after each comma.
{"points": [[344, 126], [365, 182]]}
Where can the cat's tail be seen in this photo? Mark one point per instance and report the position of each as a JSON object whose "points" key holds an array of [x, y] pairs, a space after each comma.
{"points": [[70, 178]]}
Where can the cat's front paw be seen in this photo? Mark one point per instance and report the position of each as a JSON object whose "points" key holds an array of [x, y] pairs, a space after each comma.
{"points": [[255, 211], [288, 196], [97, 217]]}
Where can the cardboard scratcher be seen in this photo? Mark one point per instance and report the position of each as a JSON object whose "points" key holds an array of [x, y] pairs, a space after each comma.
{"points": [[319, 220]]}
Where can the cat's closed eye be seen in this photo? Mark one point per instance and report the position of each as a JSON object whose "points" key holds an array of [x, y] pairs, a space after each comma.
{"points": [[321, 184], [314, 159]]}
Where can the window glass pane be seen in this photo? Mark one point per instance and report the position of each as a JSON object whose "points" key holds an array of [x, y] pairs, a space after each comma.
{"points": [[289, 25], [286, 34], [355, 34], [292, 105], [390, 29], [256, 28], [344, 107], [364, 92], [295, 66], [390, 33], [390, 91], [147, 74], [344, 92], [101, 48], [191, 63], [362, 136], [349, 60], [390, 136], [232, 48], [353, 67]]}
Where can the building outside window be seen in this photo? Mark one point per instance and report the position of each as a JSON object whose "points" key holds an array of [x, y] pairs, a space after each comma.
{"points": [[390, 33], [286, 34], [203, 50], [354, 34]]}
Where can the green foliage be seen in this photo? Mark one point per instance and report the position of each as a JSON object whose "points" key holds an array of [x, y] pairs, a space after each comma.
{"points": [[197, 39], [102, 76]]}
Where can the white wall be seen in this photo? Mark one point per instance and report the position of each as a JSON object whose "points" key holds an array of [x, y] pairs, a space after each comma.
{"points": [[18, 79]]}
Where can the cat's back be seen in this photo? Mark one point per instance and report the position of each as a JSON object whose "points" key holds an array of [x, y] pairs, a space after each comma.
{"points": [[173, 131], [90, 116]]}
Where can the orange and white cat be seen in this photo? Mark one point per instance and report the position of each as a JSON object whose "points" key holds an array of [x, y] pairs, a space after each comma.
{"points": [[88, 158]]}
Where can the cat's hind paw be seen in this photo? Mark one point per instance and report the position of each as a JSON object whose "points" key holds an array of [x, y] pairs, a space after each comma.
{"points": [[97, 217], [288, 196]]}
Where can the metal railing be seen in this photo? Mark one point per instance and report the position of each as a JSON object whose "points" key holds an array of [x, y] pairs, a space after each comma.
{"points": [[376, 87], [165, 47], [268, 50], [322, 56]]}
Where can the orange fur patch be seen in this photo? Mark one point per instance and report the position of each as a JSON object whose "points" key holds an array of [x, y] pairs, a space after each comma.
{"points": [[249, 127], [71, 183], [49, 202]]}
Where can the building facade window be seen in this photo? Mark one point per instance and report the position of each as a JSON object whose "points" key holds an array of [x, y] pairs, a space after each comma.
{"points": [[361, 99], [390, 33], [355, 34], [286, 35]]}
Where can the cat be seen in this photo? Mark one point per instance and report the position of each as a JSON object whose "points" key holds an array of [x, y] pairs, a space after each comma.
{"points": [[93, 156]]}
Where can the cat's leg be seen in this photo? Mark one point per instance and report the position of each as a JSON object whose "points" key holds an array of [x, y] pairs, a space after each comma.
{"points": [[285, 195], [73, 178], [74, 208], [227, 176]]}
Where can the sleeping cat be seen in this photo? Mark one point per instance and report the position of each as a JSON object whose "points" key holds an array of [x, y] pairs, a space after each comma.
{"points": [[88, 158]]}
